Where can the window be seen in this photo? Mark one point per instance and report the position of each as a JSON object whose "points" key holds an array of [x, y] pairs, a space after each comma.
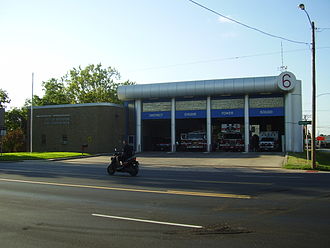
{"points": [[64, 139], [43, 139]]}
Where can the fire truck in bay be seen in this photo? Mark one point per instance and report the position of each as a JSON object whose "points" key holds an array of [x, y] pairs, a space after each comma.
{"points": [[195, 140], [268, 141], [230, 138]]}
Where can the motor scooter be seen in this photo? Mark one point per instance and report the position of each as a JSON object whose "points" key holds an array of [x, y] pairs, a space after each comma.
{"points": [[131, 165]]}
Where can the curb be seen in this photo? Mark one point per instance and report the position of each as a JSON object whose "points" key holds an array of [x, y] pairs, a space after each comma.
{"points": [[78, 157]]}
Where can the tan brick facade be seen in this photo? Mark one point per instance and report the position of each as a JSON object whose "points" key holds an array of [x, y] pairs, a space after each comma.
{"points": [[101, 126]]}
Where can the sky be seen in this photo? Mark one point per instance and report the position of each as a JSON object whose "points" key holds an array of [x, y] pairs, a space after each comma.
{"points": [[150, 41]]}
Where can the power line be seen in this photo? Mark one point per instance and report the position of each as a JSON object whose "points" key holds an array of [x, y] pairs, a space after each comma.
{"points": [[321, 29], [224, 59], [248, 26]]}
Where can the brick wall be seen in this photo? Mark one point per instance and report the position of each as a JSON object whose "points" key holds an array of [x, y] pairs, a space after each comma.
{"points": [[67, 127]]}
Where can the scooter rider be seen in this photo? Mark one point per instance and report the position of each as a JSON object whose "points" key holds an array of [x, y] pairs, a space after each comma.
{"points": [[127, 152]]}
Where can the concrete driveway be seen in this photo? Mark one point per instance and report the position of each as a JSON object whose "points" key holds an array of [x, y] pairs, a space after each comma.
{"points": [[215, 160]]}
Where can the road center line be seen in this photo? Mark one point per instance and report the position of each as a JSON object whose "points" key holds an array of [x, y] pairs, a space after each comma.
{"points": [[275, 176], [211, 182], [146, 221], [169, 192]]}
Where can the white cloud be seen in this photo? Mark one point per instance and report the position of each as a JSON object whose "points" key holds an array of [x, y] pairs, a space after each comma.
{"points": [[222, 19]]}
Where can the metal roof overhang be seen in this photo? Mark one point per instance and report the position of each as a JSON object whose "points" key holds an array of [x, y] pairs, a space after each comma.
{"points": [[234, 86]]}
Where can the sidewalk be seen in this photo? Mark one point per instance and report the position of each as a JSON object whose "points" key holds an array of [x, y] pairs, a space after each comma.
{"points": [[216, 160]]}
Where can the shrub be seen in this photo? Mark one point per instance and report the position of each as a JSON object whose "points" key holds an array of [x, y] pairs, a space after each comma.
{"points": [[14, 141]]}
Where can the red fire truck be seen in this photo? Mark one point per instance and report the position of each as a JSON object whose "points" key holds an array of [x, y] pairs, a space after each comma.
{"points": [[230, 138]]}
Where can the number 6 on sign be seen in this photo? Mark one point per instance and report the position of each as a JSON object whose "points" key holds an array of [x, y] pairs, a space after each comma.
{"points": [[286, 81]]}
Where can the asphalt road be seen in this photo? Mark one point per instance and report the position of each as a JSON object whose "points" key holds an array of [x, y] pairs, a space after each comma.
{"points": [[75, 203]]}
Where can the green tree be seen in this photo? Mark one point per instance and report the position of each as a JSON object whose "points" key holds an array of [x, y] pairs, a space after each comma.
{"points": [[16, 126], [37, 101], [81, 85], [93, 84], [55, 93], [4, 98], [16, 118]]}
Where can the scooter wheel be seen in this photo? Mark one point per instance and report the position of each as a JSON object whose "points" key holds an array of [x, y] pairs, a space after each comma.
{"points": [[111, 169], [134, 170]]}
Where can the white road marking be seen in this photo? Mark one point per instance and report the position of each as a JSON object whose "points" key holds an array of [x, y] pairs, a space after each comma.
{"points": [[146, 221]]}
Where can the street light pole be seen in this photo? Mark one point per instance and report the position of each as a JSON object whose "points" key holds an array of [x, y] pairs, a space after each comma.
{"points": [[314, 98], [302, 7], [31, 118]]}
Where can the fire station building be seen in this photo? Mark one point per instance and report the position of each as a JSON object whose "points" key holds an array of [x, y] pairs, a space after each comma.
{"points": [[164, 114]]}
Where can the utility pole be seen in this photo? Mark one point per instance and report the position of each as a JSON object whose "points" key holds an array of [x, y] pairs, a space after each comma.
{"points": [[313, 153]]}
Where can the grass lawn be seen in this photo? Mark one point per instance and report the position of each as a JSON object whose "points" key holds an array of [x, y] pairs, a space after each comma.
{"points": [[298, 161], [37, 155]]}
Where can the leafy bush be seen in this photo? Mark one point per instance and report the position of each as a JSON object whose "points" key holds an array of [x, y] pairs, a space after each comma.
{"points": [[14, 141]]}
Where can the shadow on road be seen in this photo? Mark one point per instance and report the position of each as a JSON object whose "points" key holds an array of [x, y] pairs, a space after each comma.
{"points": [[188, 155]]}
